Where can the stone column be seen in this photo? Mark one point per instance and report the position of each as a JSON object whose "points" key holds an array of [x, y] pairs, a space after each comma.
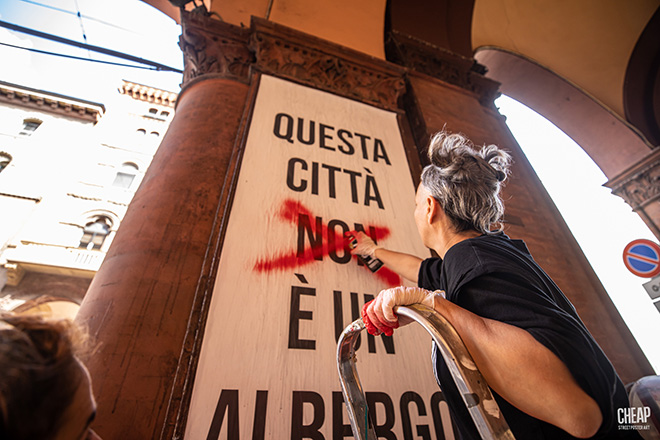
{"points": [[639, 186], [148, 303], [142, 306]]}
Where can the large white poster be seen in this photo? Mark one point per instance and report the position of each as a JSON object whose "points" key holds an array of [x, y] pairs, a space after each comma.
{"points": [[315, 166]]}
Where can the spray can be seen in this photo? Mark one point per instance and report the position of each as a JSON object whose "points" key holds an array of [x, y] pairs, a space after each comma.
{"points": [[372, 263]]}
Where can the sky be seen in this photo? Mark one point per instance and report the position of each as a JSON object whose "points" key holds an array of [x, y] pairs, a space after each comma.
{"points": [[127, 26], [575, 184], [135, 28]]}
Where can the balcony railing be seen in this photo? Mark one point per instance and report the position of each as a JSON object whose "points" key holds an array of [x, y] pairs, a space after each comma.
{"points": [[34, 254]]}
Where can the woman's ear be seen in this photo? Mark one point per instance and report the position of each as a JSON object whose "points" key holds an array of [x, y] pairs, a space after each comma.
{"points": [[432, 209]]}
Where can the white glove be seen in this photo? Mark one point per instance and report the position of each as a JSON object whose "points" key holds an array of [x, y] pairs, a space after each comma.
{"points": [[365, 245], [380, 314]]}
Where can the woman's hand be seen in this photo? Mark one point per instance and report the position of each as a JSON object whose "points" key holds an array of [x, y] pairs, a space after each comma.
{"points": [[378, 315], [365, 245]]}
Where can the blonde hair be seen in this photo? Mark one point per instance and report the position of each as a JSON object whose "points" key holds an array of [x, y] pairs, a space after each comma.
{"points": [[39, 374], [467, 181]]}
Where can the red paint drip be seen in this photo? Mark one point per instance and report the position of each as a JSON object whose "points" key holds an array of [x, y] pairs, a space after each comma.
{"points": [[289, 212], [389, 277]]}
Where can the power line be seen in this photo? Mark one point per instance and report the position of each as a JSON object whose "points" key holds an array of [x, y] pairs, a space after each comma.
{"points": [[82, 27], [66, 11], [89, 47], [75, 57]]}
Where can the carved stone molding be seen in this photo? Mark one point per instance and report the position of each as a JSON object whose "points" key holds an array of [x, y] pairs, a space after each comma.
{"points": [[15, 273], [303, 58], [212, 47], [640, 184], [439, 63], [14, 94], [144, 93]]}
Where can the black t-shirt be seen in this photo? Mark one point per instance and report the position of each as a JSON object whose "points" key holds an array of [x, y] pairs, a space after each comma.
{"points": [[496, 278]]}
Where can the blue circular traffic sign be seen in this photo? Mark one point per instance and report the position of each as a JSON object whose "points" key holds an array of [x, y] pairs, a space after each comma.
{"points": [[642, 258]]}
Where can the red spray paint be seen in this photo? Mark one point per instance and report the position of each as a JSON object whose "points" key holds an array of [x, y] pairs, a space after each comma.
{"points": [[289, 212]]}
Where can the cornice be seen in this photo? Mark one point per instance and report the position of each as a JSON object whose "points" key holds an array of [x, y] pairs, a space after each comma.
{"points": [[148, 94], [213, 48], [441, 64], [25, 97], [18, 196], [639, 185]]}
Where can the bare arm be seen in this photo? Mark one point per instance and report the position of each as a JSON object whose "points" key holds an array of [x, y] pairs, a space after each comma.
{"points": [[405, 265], [515, 365], [524, 372]]}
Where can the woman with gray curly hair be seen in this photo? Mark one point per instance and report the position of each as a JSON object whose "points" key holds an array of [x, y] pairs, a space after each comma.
{"points": [[549, 376], [45, 390]]}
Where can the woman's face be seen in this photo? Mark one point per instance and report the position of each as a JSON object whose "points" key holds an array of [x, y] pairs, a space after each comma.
{"points": [[80, 413]]}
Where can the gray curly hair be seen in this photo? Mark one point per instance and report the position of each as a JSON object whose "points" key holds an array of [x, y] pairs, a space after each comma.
{"points": [[467, 181]]}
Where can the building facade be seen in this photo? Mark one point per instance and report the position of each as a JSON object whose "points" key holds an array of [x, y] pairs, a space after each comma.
{"points": [[69, 170]]}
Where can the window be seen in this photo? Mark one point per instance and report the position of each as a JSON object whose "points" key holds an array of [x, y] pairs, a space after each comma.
{"points": [[139, 135], [30, 126], [154, 113], [95, 233], [4, 160], [125, 175]]}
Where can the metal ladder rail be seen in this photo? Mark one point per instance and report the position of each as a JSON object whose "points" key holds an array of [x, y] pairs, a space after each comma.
{"points": [[476, 395]]}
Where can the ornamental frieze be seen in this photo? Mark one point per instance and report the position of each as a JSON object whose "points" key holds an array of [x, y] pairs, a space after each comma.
{"points": [[327, 71], [212, 47], [640, 185], [215, 48], [442, 64]]}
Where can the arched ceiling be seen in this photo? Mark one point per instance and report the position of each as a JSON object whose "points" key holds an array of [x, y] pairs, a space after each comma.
{"points": [[587, 43]]}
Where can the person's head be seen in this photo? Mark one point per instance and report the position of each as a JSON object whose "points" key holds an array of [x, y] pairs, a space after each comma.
{"points": [[466, 182], [45, 391]]}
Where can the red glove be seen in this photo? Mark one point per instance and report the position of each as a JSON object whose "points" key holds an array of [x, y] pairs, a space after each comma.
{"points": [[378, 315], [372, 329]]}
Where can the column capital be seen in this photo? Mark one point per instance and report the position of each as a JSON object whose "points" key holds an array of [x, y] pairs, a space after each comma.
{"points": [[441, 64], [212, 48], [639, 185]]}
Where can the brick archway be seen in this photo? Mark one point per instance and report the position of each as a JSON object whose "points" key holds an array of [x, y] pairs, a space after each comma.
{"points": [[624, 155]]}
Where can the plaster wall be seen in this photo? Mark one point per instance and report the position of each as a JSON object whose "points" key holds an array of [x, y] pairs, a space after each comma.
{"points": [[587, 42], [357, 25]]}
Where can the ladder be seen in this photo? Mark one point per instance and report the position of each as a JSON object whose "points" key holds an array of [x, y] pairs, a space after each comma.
{"points": [[475, 392]]}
